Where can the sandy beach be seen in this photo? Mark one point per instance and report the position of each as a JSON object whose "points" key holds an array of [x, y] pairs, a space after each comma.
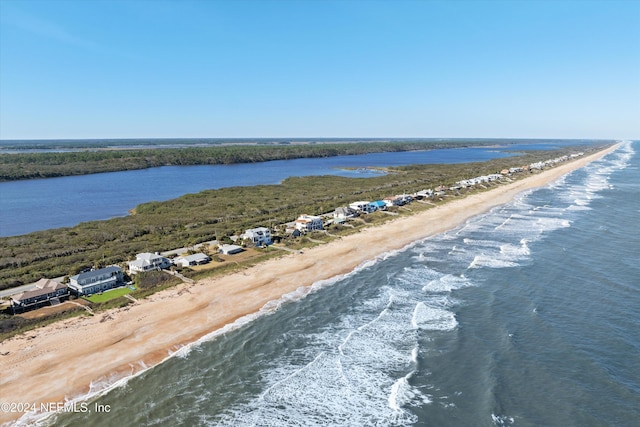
{"points": [[62, 360]]}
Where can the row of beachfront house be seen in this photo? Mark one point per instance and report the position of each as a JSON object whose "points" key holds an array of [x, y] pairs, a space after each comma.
{"points": [[553, 162], [94, 281], [47, 291], [354, 209], [51, 292]]}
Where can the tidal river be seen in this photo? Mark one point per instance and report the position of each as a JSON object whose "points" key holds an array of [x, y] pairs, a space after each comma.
{"points": [[40, 204]]}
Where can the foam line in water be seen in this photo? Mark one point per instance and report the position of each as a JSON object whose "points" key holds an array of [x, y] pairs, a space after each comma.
{"points": [[433, 318]]}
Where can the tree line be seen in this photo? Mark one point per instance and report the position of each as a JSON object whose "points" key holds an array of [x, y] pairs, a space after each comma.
{"points": [[20, 166]]}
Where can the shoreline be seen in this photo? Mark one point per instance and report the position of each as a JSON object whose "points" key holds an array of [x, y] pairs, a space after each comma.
{"points": [[65, 359]]}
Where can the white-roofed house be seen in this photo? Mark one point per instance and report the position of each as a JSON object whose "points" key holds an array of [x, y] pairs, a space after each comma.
{"points": [[259, 236], [363, 206], [148, 262], [309, 223], [230, 249], [344, 212], [194, 259]]}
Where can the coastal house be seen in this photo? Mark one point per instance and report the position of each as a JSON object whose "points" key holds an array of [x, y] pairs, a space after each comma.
{"points": [[148, 262], [379, 205], [363, 207], [230, 249], [190, 260], [259, 236], [45, 291], [392, 201], [91, 282], [406, 198], [308, 223], [424, 194], [344, 212]]}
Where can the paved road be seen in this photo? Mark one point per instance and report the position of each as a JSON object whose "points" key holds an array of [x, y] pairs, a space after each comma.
{"points": [[12, 291], [24, 288]]}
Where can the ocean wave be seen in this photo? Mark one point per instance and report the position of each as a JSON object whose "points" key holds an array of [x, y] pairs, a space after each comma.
{"points": [[359, 367], [433, 318]]}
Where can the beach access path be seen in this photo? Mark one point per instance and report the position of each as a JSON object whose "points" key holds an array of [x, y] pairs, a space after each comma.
{"points": [[61, 361]]}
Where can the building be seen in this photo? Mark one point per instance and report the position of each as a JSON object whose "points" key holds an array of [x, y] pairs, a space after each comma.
{"points": [[45, 291], [148, 262], [189, 260], [423, 194], [259, 236], [378, 205], [344, 212], [309, 223], [362, 206], [95, 281], [392, 201], [230, 249]]}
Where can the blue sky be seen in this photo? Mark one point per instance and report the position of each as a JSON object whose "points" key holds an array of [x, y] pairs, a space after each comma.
{"points": [[171, 69]]}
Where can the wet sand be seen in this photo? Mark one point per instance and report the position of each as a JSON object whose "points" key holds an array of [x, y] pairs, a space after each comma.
{"points": [[61, 361]]}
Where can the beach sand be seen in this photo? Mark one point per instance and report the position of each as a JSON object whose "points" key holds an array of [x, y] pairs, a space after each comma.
{"points": [[62, 360]]}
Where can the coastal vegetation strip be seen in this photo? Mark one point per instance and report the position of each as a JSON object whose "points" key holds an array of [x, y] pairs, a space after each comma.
{"points": [[217, 215], [20, 166]]}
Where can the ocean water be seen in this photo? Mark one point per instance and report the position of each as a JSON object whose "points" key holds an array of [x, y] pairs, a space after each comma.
{"points": [[527, 315]]}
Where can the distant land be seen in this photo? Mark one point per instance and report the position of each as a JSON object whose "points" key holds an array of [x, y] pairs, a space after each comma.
{"points": [[133, 143], [32, 159]]}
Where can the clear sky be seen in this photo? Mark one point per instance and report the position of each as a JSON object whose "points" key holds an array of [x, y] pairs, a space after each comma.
{"points": [[170, 69]]}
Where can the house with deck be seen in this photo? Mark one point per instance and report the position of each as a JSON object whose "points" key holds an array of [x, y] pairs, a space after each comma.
{"points": [[343, 213], [363, 206], [308, 223], [260, 236], [45, 292], [94, 281], [148, 262], [424, 194]]}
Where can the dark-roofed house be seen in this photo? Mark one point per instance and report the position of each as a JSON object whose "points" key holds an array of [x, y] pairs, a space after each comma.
{"points": [[95, 281], [45, 291]]}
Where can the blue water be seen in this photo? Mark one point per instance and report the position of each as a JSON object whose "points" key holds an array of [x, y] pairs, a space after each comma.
{"points": [[526, 316], [32, 205]]}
